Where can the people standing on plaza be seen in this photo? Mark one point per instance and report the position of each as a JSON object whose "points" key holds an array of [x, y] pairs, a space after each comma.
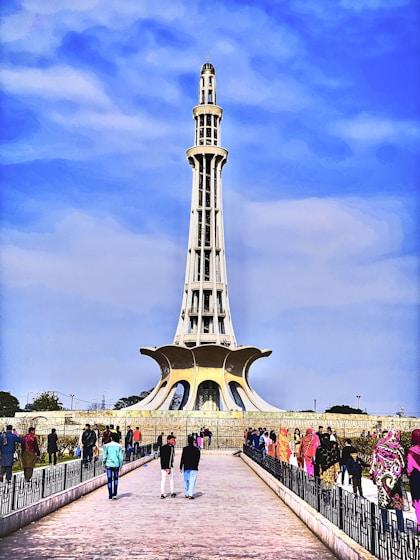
{"points": [[52, 447], [331, 434], [7, 450], [137, 438], [345, 455], [327, 465], [283, 446], [295, 447], [106, 436], [30, 453], [207, 438], [320, 432], [355, 465], [167, 455], [98, 439], [200, 438], [88, 443], [413, 472], [190, 459], [159, 441], [128, 442], [112, 461], [386, 469], [307, 450]]}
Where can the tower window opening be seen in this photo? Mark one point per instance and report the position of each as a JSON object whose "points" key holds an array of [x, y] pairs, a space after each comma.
{"points": [[221, 326], [210, 98], [207, 266]]}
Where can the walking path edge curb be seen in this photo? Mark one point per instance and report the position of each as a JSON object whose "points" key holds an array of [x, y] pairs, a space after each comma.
{"points": [[336, 540], [22, 517]]}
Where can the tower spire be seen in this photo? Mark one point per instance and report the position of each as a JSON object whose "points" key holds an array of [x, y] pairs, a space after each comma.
{"points": [[205, 314]]}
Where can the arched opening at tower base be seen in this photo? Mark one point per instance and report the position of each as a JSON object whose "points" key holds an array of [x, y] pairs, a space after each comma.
{"points": [[233, 386], [208, 396]]}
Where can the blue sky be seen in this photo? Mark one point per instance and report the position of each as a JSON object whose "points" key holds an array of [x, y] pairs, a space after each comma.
{"points": [[321, 197]]}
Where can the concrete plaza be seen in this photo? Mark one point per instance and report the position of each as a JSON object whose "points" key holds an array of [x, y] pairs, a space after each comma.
{"points": [[235, 515]]}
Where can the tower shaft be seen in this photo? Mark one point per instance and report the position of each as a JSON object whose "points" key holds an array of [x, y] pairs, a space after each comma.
{"points": [[205, 314]]}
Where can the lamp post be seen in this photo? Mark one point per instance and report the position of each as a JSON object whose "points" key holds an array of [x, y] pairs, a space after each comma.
{"points": [[358, 397], [71, 404]]}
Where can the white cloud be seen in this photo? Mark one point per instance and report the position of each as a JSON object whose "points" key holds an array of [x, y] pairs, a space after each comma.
{"points": [[373, 129], [324, 252], [55, 84], [93, 259]]}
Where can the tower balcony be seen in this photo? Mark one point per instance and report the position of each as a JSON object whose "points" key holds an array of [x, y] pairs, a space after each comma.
{"points": [[206, 285], [207, 311]]}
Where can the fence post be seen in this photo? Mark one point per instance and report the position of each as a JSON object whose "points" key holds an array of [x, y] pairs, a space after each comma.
{"points": [[43, 482], [372, 529], [340, 508]]}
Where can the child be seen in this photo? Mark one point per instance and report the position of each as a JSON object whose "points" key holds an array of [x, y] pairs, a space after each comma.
{"points": [[355, 466]]}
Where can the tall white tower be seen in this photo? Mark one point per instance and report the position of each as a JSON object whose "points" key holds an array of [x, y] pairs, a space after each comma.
{"points": [[204, 358], [205, 314]]}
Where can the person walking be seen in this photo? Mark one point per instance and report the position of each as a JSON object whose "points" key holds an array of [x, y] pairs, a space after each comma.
{"points": [[112, 461], [167, 455], [7, 450], [137, 438], [413, 472], [52, 447], [386, 469], [307, 450], [190, 459], [347, 450], [355, 465], [30, 453], [88, 443], [128, 441]]}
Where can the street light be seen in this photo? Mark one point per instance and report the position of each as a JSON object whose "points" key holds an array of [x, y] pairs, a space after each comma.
{"points": [[358, 397], [71, 404]]}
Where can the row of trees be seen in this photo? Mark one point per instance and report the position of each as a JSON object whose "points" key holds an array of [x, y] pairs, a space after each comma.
{"points": [[48, 400]]}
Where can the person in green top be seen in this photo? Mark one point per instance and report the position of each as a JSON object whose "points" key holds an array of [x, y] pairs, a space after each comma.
{"points": [[112, 461]]}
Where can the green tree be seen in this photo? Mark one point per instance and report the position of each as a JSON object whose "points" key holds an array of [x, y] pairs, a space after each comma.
{"points": [[47, 401], [8, 404], [123, 402], [344, 409]]}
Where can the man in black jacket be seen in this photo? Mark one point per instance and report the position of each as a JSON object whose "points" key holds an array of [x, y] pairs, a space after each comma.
{"points": [[167, 454], [189, 462], [88, 443]]}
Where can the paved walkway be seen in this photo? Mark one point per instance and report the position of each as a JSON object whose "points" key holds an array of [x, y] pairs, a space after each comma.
{"points": [[234, 516]]}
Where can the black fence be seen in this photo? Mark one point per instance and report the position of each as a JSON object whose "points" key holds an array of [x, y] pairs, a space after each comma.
{"points": [[47, 481], [375, 529]]}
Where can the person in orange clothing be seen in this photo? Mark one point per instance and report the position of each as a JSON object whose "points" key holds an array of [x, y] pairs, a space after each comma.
{"points": [[137, 438], [283, 446], [307, 450]]}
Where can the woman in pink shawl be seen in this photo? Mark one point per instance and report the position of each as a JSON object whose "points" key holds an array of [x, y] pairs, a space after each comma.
{"points": [[413, 471], [386, 470], [307, 450]]}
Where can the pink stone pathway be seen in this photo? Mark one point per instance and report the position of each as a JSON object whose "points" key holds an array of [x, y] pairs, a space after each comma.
{"points": [[234, 516]]}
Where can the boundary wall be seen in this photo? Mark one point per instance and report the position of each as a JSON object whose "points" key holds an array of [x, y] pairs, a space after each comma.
{"points": [[223, 424]]}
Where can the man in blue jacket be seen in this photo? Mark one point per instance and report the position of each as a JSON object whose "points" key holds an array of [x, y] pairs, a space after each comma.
{"points": [[7, 450]]}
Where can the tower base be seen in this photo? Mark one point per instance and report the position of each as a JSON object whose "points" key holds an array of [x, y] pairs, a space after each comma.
{"points": [[213, 378]]}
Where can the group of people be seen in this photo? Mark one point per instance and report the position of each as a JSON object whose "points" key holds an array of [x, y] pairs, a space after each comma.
{"points": [[30, 453], [319, 454], [188, 465]]}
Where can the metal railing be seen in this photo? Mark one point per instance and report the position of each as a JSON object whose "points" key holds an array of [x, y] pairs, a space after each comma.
{"points": [[47, 481], [375, 529]]}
